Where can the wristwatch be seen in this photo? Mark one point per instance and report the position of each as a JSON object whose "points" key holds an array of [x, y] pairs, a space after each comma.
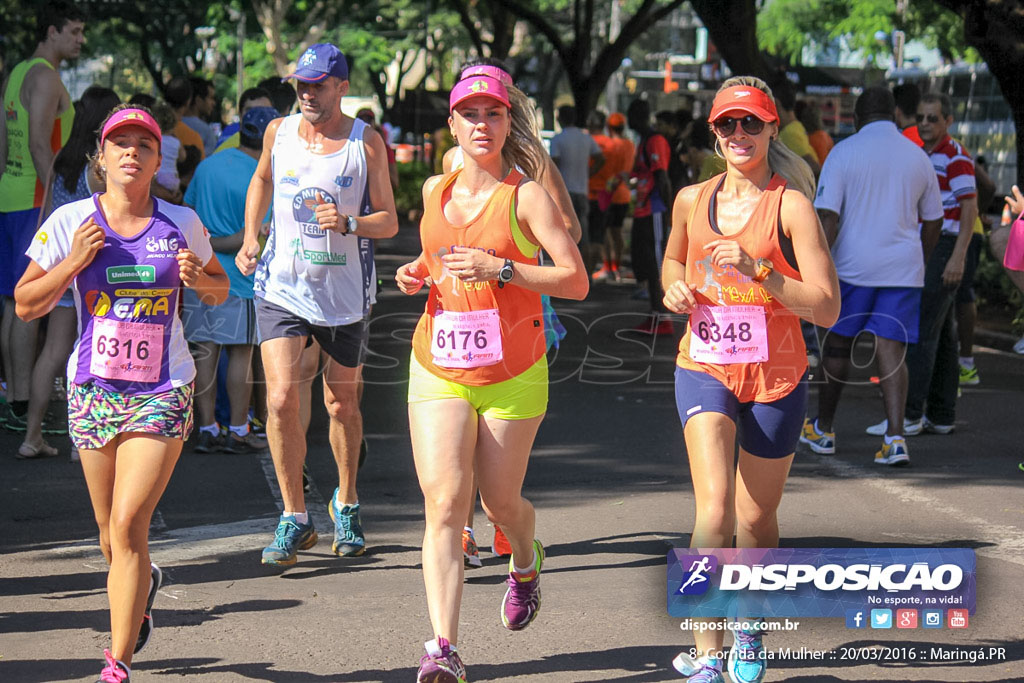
{"points": [[764, 269], [351, 225], [506, 273]]}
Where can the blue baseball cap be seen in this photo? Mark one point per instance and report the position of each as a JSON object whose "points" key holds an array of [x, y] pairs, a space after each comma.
{"points": [[318, 62], [255, 121]]}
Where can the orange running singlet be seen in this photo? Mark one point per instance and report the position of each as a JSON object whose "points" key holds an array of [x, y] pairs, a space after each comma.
{"points": [[476, 333], [770, 379]]}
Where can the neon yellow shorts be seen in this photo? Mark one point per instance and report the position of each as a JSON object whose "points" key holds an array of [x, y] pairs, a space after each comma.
{"points": [[519, 398]]}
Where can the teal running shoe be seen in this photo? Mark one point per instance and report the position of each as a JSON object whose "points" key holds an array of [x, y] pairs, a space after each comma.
{"points": [[348, 529], [747, 661], [710, 671], [289, 539]]}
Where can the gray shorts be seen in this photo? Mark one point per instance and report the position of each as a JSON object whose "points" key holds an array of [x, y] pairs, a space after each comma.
{"points": [[346, 344], [231, 323]]}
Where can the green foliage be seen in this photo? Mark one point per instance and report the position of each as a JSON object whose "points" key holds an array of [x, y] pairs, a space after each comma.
{"points": [[409, 193], [996, 294], [786, 26]]}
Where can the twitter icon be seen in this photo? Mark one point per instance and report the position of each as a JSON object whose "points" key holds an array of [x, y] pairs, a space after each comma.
{"points": [[881, 618]]}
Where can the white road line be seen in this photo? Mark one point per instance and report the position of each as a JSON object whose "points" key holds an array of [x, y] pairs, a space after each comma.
{"points": [[1007, 541]]}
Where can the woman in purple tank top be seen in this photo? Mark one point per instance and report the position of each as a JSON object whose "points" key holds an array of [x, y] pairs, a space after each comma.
{"points": [[127, 256]]}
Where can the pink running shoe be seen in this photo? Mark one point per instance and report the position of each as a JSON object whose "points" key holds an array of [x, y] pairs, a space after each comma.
{"points": [[441, 664], [114, 671], [522, 599]]}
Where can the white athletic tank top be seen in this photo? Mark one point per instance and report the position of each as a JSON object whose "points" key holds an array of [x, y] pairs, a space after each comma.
{"points": [[322, 276]]}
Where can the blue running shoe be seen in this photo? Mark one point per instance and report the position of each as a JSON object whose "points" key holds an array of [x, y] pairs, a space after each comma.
{"points": [[747, 662], [289, 539], [348, 529], [709, 672]]}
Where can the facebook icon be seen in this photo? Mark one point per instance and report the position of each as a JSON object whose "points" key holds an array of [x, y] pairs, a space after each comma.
{"points": [[855, 618]]}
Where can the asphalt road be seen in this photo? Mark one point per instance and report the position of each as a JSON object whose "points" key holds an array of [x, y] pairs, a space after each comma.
{"points": [[610, 482]]}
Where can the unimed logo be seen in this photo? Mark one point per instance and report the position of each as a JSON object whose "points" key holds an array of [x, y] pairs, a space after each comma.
{"points": [[696, 578], [137, 273]]}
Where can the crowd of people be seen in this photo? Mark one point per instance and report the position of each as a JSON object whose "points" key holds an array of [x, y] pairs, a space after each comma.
{"points": [[154, 245]]}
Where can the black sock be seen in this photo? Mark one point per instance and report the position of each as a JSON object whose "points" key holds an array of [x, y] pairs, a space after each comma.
{"points": [[19, 408]]}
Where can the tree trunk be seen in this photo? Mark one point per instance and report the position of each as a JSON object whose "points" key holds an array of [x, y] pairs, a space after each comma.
{"points": [[732, 27], [995, 28]]}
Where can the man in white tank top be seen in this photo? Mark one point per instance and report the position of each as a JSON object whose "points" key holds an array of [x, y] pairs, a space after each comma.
{"points": [[327, 177]]}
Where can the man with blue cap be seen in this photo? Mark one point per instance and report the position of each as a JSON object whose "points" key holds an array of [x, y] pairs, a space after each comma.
{"points": [[325, 175], [217, 193]]}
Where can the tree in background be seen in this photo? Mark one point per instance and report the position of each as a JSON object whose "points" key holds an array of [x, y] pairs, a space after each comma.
{"points": [[785, 27], [995, 28]]}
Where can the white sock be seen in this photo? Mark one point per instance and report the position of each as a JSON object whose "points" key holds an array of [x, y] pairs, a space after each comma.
{"points": [[967, 362], [212, 430], [240, 431], [533, 564], [342, 503], [890, 439], [300, 517]]}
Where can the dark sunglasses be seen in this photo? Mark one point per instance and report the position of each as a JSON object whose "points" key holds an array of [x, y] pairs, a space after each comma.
{"points": [[932, 118], [726, 125]]}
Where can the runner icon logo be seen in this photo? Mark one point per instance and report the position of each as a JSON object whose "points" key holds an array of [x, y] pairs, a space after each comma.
{"points": [[696, 579]]}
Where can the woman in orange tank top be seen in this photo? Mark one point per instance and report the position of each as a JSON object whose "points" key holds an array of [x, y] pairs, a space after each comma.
{"points": [[746, 259], [478, 373]]}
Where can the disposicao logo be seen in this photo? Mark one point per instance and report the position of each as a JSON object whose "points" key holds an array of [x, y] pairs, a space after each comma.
{"points": [[824, 582]]}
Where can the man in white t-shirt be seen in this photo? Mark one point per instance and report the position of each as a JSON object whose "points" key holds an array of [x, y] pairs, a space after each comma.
{"points": [[874, 189], [572, 151]]}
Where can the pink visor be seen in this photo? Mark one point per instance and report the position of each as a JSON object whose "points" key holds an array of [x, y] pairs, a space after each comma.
{"points": [[473, 86], [744, 98], [495, 72], [131, 117]]}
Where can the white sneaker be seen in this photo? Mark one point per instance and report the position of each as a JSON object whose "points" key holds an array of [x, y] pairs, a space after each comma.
{"points": [[1019, 346], [910, 427], [930, 426]]}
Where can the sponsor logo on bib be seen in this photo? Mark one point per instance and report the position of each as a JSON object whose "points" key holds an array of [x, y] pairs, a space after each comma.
{"points": [[325, 258]]}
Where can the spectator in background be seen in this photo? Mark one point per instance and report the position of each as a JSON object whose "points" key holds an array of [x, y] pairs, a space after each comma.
{"points": [[907, 96], [653, 197], [253, 97], [703, 162], [142, 99], [966, 306], [282, 94], [667, 123], [577, 157], [200, 109], [178, 93], [934, 372], [217, 193], [367, 116], [808, 113], [37, 122], [599, 194], [874, 189], [792, 133], [621, 163], [72, 177], [171, 153]]}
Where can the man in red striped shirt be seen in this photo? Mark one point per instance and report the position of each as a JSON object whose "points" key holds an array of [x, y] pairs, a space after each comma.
{"points": [[932, 361]]}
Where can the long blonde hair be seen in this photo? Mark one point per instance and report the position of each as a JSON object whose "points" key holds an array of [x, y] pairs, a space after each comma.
{"points": [[781, 159], [523, 147]]}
